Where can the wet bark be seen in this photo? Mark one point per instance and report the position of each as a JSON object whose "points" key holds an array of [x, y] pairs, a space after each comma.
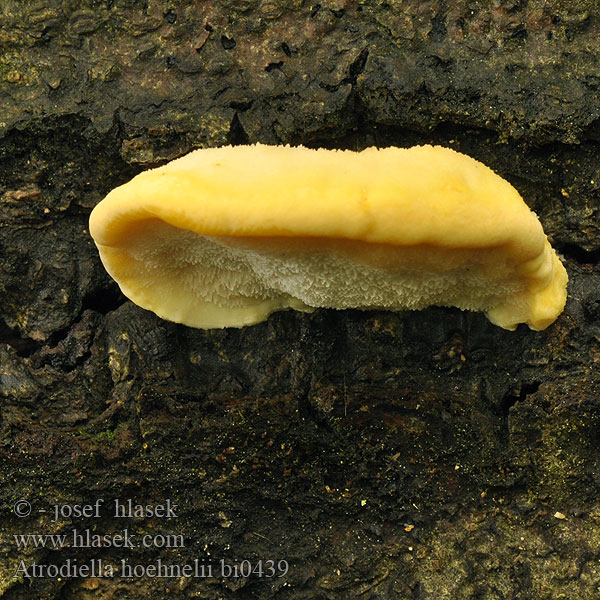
{"points": [[379, 455]]}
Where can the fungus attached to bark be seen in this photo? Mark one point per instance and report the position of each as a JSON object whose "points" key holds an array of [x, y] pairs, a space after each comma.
{"points": [[224, 237]]}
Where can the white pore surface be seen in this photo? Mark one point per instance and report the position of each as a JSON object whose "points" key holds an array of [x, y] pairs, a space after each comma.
{"points": [[179, 268]]}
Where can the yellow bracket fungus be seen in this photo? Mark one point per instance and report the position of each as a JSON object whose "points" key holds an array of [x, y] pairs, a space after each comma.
{"points": [[224, 237]]}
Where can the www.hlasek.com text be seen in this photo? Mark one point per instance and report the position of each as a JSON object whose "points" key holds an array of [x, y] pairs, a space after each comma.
{"points": [[86, 538]]}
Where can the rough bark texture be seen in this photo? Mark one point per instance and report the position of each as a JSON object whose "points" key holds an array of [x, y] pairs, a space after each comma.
{"points": [[425, 455]]}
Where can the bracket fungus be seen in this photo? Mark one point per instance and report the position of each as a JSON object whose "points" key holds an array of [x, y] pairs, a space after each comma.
{"points": [[224, 237]]}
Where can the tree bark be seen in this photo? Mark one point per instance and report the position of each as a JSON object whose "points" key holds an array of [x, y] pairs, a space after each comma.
{"points": [[366, 454]]}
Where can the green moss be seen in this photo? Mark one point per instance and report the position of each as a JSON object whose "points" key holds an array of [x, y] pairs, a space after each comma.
{"points": [[107, 436]]}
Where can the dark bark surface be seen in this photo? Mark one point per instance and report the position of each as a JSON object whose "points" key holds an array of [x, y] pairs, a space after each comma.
{"points": [[418, 455]]}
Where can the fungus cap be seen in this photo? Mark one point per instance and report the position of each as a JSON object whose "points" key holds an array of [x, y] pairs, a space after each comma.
{"points": [[223, 237]]}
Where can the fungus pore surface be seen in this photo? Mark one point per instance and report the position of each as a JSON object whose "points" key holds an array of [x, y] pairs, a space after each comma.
{"points": [[223, 237]]}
